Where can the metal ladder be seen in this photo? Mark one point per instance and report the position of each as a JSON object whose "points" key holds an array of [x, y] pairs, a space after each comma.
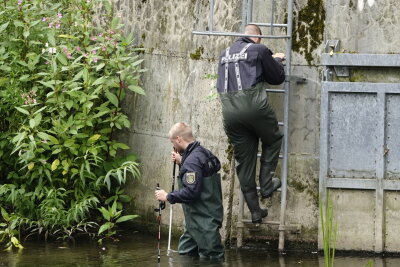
{"points": [[247, 10]]}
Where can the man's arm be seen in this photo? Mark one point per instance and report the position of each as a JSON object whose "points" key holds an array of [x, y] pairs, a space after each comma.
{"points": [[192, 185], [273, 70]]}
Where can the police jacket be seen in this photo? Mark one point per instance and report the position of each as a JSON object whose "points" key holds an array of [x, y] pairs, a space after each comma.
{"points": [[247, 64], [196, 164]]}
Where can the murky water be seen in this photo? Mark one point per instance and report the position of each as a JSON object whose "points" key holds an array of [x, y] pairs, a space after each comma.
{"points": [[141, 250]]}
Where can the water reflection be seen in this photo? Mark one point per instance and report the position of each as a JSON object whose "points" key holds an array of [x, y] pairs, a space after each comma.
{"points": [[141, 250]]}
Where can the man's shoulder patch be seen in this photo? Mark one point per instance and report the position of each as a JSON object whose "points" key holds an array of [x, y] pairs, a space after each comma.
{"points": [[190, 177]]}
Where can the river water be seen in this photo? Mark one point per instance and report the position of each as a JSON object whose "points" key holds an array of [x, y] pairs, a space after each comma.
{"points": [[138, 249]]}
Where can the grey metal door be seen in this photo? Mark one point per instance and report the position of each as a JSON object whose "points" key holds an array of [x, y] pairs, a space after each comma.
{"points": [[360, 162]]}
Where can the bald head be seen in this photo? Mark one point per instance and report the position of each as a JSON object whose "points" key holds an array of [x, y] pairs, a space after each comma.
{"points": [[181, 129]]}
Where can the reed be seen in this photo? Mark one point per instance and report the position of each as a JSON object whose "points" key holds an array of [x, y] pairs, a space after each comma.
{"points": [[329, 231]]}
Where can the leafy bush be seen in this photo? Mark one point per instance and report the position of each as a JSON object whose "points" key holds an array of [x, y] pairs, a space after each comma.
{"points": [[62, 80]]}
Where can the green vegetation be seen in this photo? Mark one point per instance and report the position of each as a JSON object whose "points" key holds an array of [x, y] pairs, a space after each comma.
{"points": [[213, 94], [62, 80], [197, 54], [329, 231], [308, 28], [8, 230], [112, 216]]}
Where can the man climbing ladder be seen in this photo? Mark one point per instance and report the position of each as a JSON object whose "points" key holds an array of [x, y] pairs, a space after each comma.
{"points": [[243, 71]]}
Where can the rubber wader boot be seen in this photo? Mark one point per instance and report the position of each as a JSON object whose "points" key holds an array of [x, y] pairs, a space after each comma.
{"points": [[254, 206], [268, 162], [268, 184]]}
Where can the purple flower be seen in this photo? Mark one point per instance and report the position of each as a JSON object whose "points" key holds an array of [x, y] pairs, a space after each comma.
{"points": [[95, 60], [59, 15], [44, 19], [58, 26]]}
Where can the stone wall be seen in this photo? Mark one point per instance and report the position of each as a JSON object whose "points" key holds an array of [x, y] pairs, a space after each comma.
{"points": [[179, 82]]}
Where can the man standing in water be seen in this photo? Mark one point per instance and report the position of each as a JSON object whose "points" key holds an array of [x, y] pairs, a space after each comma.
{"points": [[200, 194], [243, 71]]}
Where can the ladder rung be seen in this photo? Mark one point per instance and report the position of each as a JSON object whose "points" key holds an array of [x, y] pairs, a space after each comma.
{"points": [[290, 227], [263, 222], [268, 24], [259, 155], [240, 34], [277, 190], [275, 90]]}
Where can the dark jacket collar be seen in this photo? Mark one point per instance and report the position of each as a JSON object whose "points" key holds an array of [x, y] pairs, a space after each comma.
{"points": [[189, 150], [245, 39]]}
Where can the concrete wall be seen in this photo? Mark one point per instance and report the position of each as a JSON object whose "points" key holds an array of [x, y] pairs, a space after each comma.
{"points": [[177, 84]]}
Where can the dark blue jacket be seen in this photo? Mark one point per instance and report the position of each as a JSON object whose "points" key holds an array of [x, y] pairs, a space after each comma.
{"points": [[258, 66], [197, 162]]}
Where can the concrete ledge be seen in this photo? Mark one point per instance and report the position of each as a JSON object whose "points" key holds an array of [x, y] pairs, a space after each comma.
{"points": [[360, 60]]}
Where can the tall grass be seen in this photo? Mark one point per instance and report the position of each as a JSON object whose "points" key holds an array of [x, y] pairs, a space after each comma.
{"points": [[329, 230]]}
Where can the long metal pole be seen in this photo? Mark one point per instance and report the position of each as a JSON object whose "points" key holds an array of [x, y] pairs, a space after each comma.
{"points": [[211, 18], [243, 15], [286, 128], [161, 206], [269, 24], [169, 229], [170, 210], [272, 15], [249, 11], [240, 34]]}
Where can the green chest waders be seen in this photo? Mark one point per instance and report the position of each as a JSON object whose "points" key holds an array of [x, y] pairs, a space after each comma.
{"points": [[248, 118], [203, 219]]}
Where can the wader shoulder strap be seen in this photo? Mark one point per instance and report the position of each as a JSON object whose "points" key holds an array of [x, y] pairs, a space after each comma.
{"points": [[226, 71], [234, 58]]}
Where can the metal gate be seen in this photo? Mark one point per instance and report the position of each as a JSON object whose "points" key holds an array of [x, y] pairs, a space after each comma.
{"points": [[360, 153]]}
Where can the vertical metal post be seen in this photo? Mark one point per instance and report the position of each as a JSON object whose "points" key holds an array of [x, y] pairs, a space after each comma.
{"points": [[211, 18], [272, 15], [249, 11], [380, 173], [286, 128], [243, 15], [324, 140]]}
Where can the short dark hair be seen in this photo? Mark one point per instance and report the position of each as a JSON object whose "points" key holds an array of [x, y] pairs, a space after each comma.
{"points": [[252, 29]]}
